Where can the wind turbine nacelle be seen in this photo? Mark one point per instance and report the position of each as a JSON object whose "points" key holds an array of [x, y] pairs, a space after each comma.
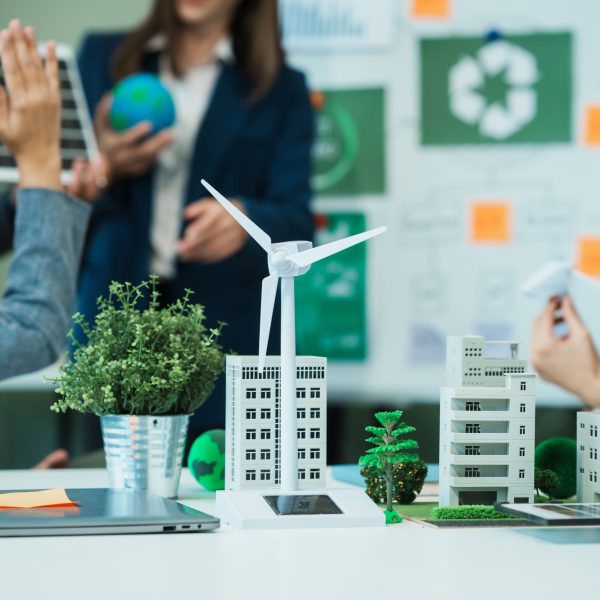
{"points": [[278, 263]]}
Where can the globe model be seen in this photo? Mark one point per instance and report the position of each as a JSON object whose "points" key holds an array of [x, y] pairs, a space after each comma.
{"points": [[206, 460], [141, 97]]}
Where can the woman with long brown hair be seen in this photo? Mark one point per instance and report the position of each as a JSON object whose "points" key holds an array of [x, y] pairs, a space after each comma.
{"points": [[244, 123]]}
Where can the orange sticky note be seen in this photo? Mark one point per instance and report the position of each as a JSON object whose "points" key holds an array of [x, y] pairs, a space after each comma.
{"points": [[438, 9], [37, 499], [588, 260], [490, 223], [592, 126]]}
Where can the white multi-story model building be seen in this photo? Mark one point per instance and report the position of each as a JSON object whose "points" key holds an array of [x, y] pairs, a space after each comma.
{"points": [[588, 464], [253, 422], [487, 424]]}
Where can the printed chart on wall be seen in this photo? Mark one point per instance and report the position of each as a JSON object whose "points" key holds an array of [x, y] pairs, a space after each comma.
{"points": [[477, 142]]}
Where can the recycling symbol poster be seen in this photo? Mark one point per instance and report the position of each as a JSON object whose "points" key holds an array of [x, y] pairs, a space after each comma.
{"points": [[511, 90]]}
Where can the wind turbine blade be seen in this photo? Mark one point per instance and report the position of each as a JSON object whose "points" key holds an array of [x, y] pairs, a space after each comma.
{"points": [[267, 302], [253, 230], [308, 257]]}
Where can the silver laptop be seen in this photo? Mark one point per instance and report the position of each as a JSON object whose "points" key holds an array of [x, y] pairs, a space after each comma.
{"points": [[104, 511]]}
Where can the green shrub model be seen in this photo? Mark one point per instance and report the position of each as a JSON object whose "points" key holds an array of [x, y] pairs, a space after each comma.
{"points": [[388, 451]]}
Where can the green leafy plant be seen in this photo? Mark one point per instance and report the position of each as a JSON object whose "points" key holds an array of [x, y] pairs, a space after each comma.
{"points": [[467, 512], [408, 479], [141, 361], [388, 451], [546, 481]]}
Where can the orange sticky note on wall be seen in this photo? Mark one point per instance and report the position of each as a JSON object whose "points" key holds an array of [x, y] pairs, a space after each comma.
{"points": [[439, 9], [592, 126], [38, 499], [490, 223], [588, 259]]}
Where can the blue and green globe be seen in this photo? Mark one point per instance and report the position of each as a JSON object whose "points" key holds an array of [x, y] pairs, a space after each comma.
{"points": [[206, 460], [141, 97]]}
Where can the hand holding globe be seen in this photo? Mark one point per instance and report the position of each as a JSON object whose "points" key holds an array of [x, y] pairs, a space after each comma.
{"points": [[132, 125]]}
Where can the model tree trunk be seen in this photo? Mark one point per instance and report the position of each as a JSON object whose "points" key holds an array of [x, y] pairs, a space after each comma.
{"points": [[389, 469]]}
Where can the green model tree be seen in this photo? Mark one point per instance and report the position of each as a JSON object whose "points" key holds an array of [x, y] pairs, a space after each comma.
{"points": [[388, 451], [546, 481]]}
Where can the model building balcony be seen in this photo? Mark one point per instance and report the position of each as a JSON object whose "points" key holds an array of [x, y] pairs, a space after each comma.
{"points": [[461, 454], [478, 475]]}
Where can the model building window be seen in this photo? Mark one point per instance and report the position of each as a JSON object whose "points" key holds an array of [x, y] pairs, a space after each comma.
{"points": [[472, 472], [473, 406], [315, 413], [265, 475], [595, 477], [300, 392], [250, 434], [265, 393], [315, 392], [523, 386], [301, 453], [265, 454], [301, 434], [301, 473], [472, 450], [315, 474], [522, 408], [301, 413], [251, 475], [521, 451], [522, 429], [315, 434], [265, 413], [581, 425], [521, 473], [265, 434], [250, 454], [472, 428], [315, 453], [251, 394], [250, 413], [581, 470]]}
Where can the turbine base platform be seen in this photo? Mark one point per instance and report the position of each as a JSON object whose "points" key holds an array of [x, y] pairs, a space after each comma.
{"points": [[274, 509]]}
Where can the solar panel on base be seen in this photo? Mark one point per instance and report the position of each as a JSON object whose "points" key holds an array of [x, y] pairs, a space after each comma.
{"points": [[77, 135]]}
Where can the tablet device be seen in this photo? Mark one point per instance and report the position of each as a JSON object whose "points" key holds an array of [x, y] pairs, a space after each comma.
{"points": [[104, 511], [555, 514]]}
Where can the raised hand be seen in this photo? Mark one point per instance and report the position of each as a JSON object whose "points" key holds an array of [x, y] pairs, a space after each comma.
{"points": [[30, 107]]}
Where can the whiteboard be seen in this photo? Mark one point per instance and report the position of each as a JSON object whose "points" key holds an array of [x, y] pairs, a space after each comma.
{"points": [[442, 268]]}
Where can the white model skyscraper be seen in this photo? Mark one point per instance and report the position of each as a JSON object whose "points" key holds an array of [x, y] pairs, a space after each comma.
{"points": [[487, 424], [253, 422], [588, 463]]}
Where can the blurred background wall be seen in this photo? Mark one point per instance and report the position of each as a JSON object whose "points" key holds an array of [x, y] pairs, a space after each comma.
{"points": [[378, 86]]}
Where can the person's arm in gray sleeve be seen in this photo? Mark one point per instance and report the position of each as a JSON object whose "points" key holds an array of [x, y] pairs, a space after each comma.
{"points": [[35, 313]]}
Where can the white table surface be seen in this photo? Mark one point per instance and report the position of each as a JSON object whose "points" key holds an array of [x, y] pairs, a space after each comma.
{"points": [[404, 561]]}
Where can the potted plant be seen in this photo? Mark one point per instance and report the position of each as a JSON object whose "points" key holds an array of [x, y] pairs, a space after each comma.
{"points": [[143, 370]]}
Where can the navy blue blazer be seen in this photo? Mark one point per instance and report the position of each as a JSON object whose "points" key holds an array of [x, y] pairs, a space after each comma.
{"points": [[258, 153]]}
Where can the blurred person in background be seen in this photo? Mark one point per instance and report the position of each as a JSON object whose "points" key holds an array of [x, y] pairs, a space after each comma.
{"points": [[244, 123]]}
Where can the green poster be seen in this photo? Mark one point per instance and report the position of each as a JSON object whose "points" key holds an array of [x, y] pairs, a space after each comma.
{"points": [[331, 297], [349, 152], [516, 89]]}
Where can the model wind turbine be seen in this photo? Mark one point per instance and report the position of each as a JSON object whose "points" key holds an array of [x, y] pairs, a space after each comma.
{"points": [[286, 260]]}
